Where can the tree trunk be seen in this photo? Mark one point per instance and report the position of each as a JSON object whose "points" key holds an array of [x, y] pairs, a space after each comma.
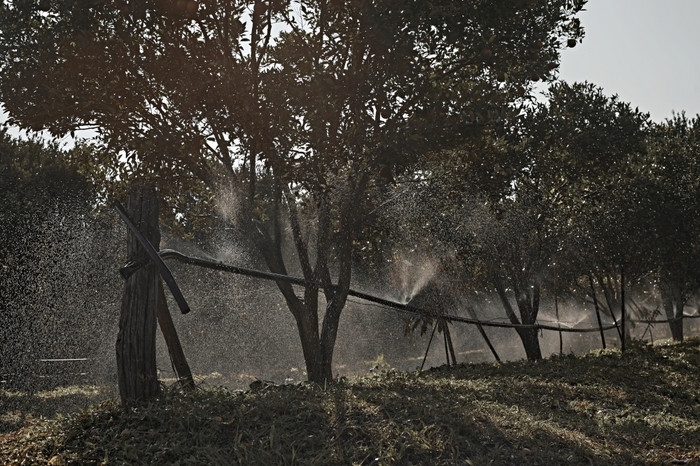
{"points": [[528, 314], [317, 347], [317, 343], [529, 336], [674, 303], [136, 341], [307, 326], [531, 343]]}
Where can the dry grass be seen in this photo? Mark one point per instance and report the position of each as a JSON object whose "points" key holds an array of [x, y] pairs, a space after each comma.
{"points": [[641, 407]]}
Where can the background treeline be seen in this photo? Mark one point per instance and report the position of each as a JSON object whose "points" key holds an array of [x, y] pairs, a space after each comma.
{"points": [[582, 190]]}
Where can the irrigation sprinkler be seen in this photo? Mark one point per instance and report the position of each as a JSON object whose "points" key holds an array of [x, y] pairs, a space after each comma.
{"points": [[217, 265]]}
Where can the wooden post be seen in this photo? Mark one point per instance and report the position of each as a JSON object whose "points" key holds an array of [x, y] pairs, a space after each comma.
{"points": [[136, 342], [556, 311], [450, 345], [428, 348], [597, 310]]}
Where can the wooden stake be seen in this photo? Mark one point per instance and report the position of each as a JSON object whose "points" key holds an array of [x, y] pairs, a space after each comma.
{"points": [[177, 356], [472, 313], [597, 311], [622, 306], [556, 312], [430, 342]]}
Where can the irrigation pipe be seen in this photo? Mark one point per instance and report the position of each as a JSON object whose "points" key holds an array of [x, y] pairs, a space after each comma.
{"points": [[216, 265]]}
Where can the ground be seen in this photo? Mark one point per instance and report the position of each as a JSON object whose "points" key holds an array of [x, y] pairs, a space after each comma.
{"points": [[604, 407]]}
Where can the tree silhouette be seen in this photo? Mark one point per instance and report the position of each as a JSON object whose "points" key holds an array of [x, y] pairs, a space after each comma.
{"points": [[299, 107]]}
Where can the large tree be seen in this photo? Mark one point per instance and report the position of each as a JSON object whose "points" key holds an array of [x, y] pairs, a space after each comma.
{"points": [[582, 148], [672, 178], [303, 106]]}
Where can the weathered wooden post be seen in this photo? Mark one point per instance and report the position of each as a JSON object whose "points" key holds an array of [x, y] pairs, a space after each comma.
{"points": [[136, 342]]}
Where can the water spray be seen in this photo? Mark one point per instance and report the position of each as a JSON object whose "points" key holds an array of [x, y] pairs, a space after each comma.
{"points": [[217, 265]]}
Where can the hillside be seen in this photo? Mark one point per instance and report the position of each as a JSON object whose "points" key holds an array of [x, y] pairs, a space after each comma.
{"points": [[641, 407]]}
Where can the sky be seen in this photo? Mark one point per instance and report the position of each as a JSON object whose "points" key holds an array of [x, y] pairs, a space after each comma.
{"points": [[645, 51]]}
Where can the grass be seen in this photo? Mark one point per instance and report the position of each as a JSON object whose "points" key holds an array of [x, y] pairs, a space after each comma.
{"points": [[604, 407]]}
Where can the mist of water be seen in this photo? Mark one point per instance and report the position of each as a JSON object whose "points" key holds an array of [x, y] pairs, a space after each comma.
{"points": [[412, 274], [62, 295]]}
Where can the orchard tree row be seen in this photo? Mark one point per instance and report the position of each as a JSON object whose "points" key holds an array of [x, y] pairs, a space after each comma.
{"points": [[581, 193], [314, 114]]}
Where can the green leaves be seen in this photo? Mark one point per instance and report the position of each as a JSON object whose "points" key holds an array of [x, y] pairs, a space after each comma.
{"points": [[374, 53]]}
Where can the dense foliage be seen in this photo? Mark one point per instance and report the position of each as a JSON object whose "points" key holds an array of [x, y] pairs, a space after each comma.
{"points": [[298, 108], [580, 192]]}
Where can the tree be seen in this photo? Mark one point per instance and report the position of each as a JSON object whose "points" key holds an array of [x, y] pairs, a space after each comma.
{"points": [[303, 107], [630, 190], [672, 172], [553, 202], [493, 218], [586, 147], [34, 176]]}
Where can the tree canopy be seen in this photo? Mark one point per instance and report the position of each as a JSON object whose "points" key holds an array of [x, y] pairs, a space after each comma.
{"points": [[579, 190], [317, 101]]}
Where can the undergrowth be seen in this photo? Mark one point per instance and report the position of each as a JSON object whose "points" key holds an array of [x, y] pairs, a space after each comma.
{"points": [[604, 407]]}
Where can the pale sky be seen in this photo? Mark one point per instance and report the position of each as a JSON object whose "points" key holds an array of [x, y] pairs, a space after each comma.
{"points": [[645, 51]]}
